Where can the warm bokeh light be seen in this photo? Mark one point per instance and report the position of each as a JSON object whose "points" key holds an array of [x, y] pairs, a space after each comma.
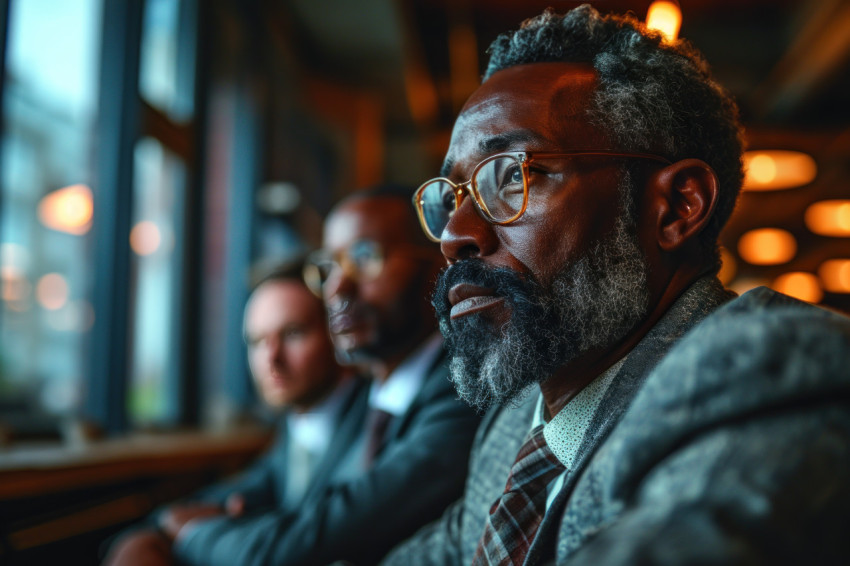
{"points": [[829, 218], [800, 285], [52, 291], [771, 170], [767, 246], [666, 17], [742, 285], [728, 266], [16, 288], [145, 237], [69, 209], [835, 275]]}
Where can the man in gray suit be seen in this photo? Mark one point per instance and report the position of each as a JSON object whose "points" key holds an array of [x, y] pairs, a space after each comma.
{"points": [[639, 414]]}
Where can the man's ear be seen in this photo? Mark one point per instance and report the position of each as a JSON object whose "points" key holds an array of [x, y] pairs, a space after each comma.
{"points": [[683, 198]]}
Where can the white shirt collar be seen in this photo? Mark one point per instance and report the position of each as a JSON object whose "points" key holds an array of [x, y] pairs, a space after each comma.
{"points": [[396, 393], [314, 428]]}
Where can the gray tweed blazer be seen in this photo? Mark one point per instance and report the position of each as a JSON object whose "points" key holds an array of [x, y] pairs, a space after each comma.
{"points": [[730, 445]]}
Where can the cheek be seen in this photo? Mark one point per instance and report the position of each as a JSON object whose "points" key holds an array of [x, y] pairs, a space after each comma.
{"points": [[563, 228], [308, 355]]}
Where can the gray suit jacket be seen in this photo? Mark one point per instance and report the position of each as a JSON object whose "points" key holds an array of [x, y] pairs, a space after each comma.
{"points": [[731, 447], [357, 516]]}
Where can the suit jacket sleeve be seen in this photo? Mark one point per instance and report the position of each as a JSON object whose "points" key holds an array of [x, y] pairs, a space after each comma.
{"points": [[419, 473], [258, 484], [758, 468]]}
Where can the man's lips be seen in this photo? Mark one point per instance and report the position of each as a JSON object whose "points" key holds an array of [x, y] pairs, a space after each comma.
{"points": [[468, 299], [343, 323]]}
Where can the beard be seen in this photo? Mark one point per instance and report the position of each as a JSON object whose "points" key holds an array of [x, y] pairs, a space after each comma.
{"points": [[591, 303]]}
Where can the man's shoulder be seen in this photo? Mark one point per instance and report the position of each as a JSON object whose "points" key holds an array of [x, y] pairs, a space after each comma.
{"points": [[761, 349]]}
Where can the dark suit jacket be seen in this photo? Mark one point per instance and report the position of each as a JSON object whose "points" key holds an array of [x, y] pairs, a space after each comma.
{"points": [[263, 484], [735, 448], [357, 516]]}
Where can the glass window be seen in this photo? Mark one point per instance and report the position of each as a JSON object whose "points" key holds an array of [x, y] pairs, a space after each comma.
{"points": [[49, 111], [166, 64], [155, 237]]}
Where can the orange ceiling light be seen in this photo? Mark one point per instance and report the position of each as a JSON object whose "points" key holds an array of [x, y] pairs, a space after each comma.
{"points": [[666, 17], [68, 209], [774, 169], [835, 275], [829, 218], [800, 285], [767, 246]]}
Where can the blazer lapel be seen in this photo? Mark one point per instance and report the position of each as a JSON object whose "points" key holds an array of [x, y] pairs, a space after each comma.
{"points": [[437, 373], [702, 298], [349, 427]]}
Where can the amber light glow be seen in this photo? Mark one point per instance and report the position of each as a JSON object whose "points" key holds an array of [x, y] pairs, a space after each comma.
{"points": [[829, 218], [835, 275], [800, 285], [666, 17], [728, 267], [772, 170], [52, 291], [67, 210], [145, 237], [767, 246]]}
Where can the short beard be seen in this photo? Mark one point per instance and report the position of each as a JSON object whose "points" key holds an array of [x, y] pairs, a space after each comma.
{"points": [[592, 303]]}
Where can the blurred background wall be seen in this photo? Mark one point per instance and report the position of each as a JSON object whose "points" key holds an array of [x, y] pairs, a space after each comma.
{"points": [[153, 151]]}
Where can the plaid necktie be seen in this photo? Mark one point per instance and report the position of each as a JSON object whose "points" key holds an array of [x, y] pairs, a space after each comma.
{"points": [[517, 514]]}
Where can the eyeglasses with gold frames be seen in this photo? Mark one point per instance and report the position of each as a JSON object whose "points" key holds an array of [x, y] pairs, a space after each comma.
{"points": [[498, 186]]}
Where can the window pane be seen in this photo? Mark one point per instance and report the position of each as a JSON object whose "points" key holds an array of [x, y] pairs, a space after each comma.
{"points": [[155, 238], [166, 73], [49, 110]]}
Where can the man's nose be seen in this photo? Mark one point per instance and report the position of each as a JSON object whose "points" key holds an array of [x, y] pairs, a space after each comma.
{"points": [[467, 235], [340, 285], [274, 351]]}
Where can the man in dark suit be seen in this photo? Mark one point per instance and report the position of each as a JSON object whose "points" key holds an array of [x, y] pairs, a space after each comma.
{"points": [[579, 206], [321, 406], [408, 462]]}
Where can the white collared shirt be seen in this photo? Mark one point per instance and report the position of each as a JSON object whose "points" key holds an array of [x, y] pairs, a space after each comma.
{"points": [[313, 429], [396, 393]]}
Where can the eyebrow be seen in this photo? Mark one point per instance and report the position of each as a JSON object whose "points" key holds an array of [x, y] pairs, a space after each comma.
{"points": [[495, 144]]}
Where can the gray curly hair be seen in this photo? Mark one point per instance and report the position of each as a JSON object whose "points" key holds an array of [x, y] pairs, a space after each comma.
{"points": [[653, 96]]}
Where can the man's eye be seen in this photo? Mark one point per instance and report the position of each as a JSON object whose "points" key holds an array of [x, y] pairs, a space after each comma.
{"points": [[511, 179], [293, 333]]}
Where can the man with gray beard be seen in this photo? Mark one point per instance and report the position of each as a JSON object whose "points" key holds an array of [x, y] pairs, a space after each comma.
{"points": [[593, 302], [581, 197]]}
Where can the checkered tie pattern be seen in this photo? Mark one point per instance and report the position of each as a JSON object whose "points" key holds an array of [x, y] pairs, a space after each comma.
{"points": [[517, 514]]}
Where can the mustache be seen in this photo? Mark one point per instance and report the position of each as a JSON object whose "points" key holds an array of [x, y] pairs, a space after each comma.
{"points": [[518, 290]]}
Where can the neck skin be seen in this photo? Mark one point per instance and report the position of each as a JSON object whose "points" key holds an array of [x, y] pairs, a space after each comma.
{"points": [[344, 375], [570, 379]]}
